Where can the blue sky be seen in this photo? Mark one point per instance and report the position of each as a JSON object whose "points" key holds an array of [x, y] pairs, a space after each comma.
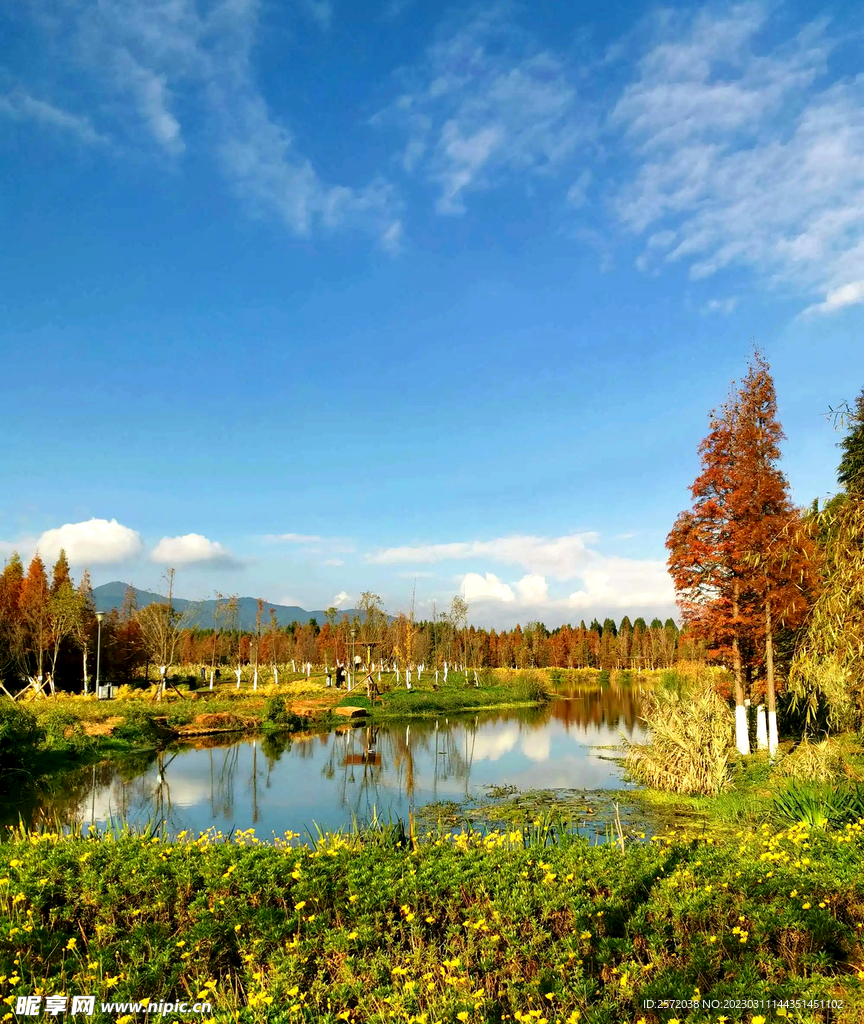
{"points": [[311, 298]]}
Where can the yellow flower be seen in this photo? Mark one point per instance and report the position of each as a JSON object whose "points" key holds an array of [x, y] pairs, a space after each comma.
{"points": [[72, 943], [759, 1019], [300, 905], [462, 1015]]}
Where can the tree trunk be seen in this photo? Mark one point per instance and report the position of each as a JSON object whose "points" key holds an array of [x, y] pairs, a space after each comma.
{"points": [[85, 671], [742, 740], [770, 695]]}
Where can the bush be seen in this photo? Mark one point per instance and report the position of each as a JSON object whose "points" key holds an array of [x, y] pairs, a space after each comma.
{"points": [[604, 677], [64, 731], [530, 686], [20, 736], [692, 743], [277, 715], [817, 762]]}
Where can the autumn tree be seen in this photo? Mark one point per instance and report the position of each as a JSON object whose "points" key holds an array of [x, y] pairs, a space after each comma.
{"points": [[11, 633], [33, 604], [736, 568], [776, 553]]}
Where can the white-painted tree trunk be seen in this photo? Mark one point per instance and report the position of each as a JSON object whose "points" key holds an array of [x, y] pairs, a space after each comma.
{"points": [[238, 672], [761, 728], [293, 666], [436, 676], [773, 739], [255, 681], [742, 741], [212, 676]]}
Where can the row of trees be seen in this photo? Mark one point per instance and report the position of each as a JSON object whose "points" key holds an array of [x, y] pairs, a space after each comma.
{"points": [[48, 636], [754, 573]]}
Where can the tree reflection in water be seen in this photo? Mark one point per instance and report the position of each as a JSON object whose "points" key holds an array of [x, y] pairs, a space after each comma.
{"points": [[350, 772]]}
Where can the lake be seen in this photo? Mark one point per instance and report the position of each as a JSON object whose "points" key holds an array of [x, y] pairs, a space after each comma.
{"points": [[331, 778]]}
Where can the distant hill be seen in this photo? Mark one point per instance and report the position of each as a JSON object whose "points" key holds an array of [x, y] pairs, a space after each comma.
{"points": [[110, 595]]}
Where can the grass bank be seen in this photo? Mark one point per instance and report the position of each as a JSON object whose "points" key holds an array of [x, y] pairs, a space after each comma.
{"points": [[377, 928], [496, 689]]}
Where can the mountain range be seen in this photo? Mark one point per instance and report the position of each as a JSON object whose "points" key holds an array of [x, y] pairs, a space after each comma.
{"points": [[111, 595]]}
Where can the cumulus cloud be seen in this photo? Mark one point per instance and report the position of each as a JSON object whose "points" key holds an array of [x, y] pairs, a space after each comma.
{"points": [[342, 600], [745, 157], [559, 557], [191, 549], [606, 582], [94, 542]]}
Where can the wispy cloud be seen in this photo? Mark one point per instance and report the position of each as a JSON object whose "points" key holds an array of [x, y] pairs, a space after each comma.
{"points": [[178, 76], [19, 105], [485, 103], [745, 157], [725, 306]]}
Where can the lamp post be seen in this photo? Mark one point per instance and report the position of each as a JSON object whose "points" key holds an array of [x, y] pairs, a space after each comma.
{"points": [[98, 648], [353, 657]]}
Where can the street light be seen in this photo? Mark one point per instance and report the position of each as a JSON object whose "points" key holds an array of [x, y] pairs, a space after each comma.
{"points": [[98, 649]]}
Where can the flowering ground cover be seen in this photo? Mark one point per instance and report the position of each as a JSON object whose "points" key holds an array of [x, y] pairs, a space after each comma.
{"points": [[385, 927]]}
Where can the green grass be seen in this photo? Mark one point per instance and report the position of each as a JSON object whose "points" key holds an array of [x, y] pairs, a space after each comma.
{"points": [[376, 927]]}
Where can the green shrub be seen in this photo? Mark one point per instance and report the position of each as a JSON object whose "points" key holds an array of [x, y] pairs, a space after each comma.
{"points": [[20, 736], [604, 677], [531, 686], [277, 716], [64, 731], [820, 806]]}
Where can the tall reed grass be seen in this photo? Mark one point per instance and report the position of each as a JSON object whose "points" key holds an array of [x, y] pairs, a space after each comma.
{"points": [[691, 748]]}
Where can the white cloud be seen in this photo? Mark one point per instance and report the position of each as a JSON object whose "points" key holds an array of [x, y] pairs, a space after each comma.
{"points": [[559, 557], [342, 600], [94, 542], [492, 746], [485, 102], [848, 295], [21, 106], [475, 587], [536, 746], [606, 582], [158, 67], [725, 306], [191, 549], [745, 157], [293, 538], [333, 561]]}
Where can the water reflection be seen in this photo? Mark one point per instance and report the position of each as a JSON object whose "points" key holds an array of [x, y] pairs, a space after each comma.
{"points": [[290, 782]]}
